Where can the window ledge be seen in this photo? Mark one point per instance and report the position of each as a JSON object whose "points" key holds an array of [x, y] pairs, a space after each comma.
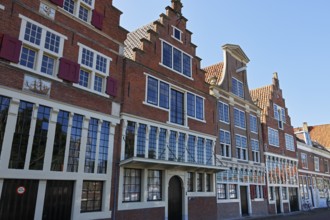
{"points": [[181, 74], [91, 91], [196, 119], [227, 200], [155, 106], [36, 73], [258, 200]]}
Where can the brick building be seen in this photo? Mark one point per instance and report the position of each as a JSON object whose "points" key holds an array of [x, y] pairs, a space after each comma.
{"points": [[280, 149], [240, 189], [60, 109], [314, 176], [166, 165]]}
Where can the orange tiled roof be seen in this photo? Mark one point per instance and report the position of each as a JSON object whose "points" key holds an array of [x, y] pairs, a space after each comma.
{"points": [[262, 96], [134, 40], [215, 70], [320, 134]]}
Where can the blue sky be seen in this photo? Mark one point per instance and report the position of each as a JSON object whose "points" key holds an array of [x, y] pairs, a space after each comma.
{"points": [[291, 37]]}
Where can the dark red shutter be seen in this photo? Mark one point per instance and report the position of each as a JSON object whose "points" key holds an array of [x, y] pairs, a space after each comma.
{"points": [[69, 70], [253, 191], [265, 192], [97, 20], [10, 48], [111, 86], [57, 2]]}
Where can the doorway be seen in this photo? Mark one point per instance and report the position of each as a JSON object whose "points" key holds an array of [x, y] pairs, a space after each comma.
{"points": [[244, 201], [58, 200], [18, 199], [293, 194], [175, 199], [278, 200]]}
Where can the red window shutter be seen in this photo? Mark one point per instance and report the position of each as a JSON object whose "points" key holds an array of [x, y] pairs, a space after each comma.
{"points": [[57, 2], [97, 20], [265, 192], [10, 48], [253, 191], [111, 86], [69, 70]]}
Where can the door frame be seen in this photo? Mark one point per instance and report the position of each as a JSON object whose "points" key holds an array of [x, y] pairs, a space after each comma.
{"points": [[247, 198], [183, 179]]}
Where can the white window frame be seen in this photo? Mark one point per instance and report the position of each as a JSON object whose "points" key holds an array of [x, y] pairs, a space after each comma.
{"points": [[172, 68], [226, 116], [326, 162], [273, 137], [289, 142], [238, 88], [173, 33], [225, 144], [254, 124], [256, 153], [40, 49], [304, 160], [259, 192], [242, 149], [279, 115], [240, 119], [316, 163], [82, 3], [93, 71]]}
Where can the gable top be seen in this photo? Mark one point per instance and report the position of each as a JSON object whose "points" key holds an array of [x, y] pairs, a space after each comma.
{"points": [[214, 73], [134, 38], [237, 52]]}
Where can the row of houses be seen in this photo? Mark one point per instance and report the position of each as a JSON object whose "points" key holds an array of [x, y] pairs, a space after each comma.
{"points": [[101, 123]]}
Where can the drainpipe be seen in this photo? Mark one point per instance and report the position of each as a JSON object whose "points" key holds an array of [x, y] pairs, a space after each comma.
{"points": [[115, 200]]}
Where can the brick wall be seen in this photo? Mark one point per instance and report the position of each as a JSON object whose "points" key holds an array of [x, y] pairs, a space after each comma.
{"points": [[228, 210], [202, 208], [141, 214]]}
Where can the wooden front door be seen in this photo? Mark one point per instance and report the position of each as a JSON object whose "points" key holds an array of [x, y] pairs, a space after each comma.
{"points": [[293, 195], [58, 200], [18, 199], [175, 199], [278, 201], [244, 201]]}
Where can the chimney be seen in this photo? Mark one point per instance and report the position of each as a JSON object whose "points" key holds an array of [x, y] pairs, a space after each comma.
{"points": [[177, 6], [305, 127], [275, 80]]}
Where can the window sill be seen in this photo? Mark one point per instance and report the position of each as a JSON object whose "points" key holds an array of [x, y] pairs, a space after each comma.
{"points": [[196, 119], [177, 125], [155, 106], [225, 122], [240, 127], [36, 73], [227, 200], [259, 200], [91, 91]]}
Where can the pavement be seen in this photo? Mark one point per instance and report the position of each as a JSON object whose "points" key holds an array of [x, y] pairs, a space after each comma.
{"points": [[315, 214]]}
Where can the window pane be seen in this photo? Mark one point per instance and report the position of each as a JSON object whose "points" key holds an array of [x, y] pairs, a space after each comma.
{"points": [[48, 64], [69, 5], [98, 83], [164, 95], [91, 145], [104, 148], [132, 185], [91, 199], [75, 139], [167, 55], [87, 57], [28, 57], [191, 104], [84, 78], [199, 108], [177, 107], [154, 185], [186, 65], [4, 107], [52, 42], [32, 33], [152, 91], [83, 13], [177, 60], [191, 148], [101, 64], [141, 140]]}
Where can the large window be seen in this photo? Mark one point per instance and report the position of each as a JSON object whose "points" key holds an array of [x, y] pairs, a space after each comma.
{"points": [[91, 145], [141, 140], [239, 118], [176, 60], [132, 185], [279, 115], [237, 88], [253, 124], [91, 198], [21, 136], [273, 138], [154, 185], [75, 141], [177, 107], [241, 147], [104, 148], [225, 143], [195, 106], [232, 191], [224, 112], [94, 69], [316, 164], [289, 144], [4, 107], [304, 161], [40, 138], [42, 48], [82, 9], [255, 150]]}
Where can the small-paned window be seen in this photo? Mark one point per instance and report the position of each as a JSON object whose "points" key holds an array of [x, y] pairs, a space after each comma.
{"points": [[289, 144], [177, 33], [141, 140], [316, 164], [75, 141], [253, 124], [241, 147], [284, 193], [304, 161], [239, 117], [177, 107], [191, 148], [91, 145], [154, 185], [82, 9], [208, 183], [199, 182], [195, 105], [237, 88], [190, 182], [232, 191], [130, 139], [273, 138], [42, 48], [4, 107], [223, 112], [91, 197], [255, 150], [225, 143], [222, 191], [132, 185], [279, 115]]}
